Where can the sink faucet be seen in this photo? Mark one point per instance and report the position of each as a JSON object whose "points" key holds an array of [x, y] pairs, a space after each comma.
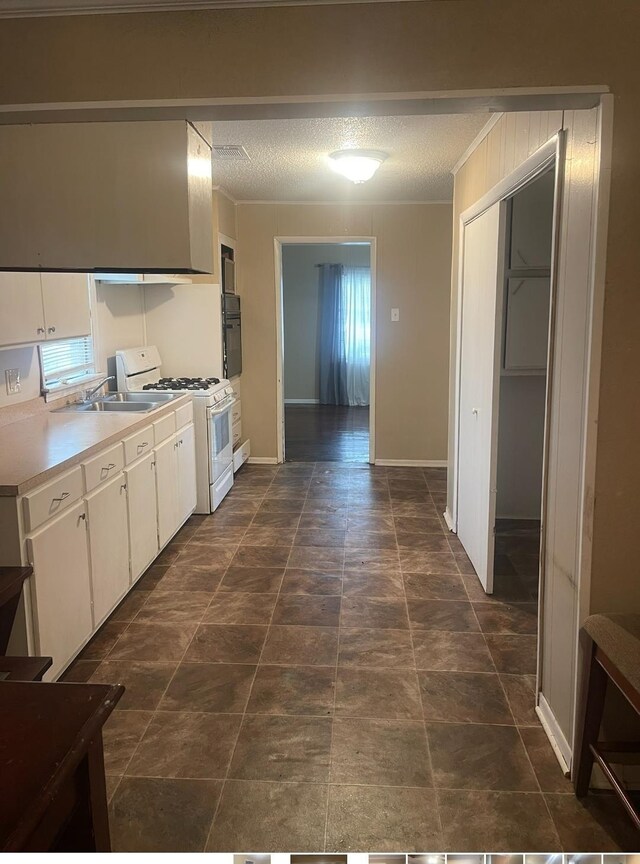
{"points": [[89, 394]]}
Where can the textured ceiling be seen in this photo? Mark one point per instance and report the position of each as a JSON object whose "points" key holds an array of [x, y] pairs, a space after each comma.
{"points": [[289, 158]]}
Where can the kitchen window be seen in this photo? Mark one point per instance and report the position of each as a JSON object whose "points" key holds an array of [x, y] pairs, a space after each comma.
{"points": [[66, 363]]}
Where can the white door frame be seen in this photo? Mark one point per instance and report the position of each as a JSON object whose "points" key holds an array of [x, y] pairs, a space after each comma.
{"points": [[278, 243], [527, 171], [594, 287]]}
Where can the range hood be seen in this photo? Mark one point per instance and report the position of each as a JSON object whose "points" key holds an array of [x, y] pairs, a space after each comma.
{"points": [[108, 198]]}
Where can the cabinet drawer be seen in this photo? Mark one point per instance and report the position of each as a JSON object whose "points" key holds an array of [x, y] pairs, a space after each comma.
{"points": [[236, 411], [184, 415], [236, 433], [138, 445], [103, 466], [52, 498], [164, 428]]}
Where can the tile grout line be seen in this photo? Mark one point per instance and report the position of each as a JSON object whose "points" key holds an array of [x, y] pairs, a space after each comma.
{"points": [[424, 719], [243, 715], [156, 709], [250, 689]]}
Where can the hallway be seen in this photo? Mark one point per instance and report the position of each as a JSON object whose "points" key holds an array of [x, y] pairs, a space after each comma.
{"points": [[326, 433], [315, 667]]}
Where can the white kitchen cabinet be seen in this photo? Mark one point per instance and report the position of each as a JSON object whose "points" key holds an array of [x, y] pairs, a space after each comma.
{"points": [[143, 519], [35, 307], [21, 311], [167, 489], [65, 298], [186, 455], [60, 587], [108, 545]]}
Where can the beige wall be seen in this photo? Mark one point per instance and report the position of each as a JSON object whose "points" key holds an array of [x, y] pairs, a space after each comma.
{"points": [[413, 252], [118, 318], [301, 296], [394, 47]]}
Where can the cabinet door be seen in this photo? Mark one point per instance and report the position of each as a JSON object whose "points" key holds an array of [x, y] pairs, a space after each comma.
{"points": [[66, 305], [60, 587], [143, 516], [108, 545], [21, 313], [167, 489], [186, 472]]}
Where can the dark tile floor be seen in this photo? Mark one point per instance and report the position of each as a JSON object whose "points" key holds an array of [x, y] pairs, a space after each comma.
{"points": [[314, 667], [326, 433]]}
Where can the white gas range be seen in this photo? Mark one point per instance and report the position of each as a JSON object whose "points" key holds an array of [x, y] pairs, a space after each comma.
{"points": [[139, 369]]}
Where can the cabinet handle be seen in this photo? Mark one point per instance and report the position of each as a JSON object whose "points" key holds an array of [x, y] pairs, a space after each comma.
{"points": [[61, 498], [123, 487], [143, 445], [83, 516], [153, 464], [40, 330], [51, 330]]}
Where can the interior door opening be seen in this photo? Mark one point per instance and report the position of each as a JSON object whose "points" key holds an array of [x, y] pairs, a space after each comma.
{"points": [[505, 378], [326, 316], [524, 364]]}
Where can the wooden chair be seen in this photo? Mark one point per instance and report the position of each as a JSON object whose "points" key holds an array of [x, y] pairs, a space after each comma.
{"points": [[16, 668], [615, 656]]}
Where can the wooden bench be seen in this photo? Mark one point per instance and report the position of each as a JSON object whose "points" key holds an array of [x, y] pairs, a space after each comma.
{"points": [[16, 668], [615, 656]]}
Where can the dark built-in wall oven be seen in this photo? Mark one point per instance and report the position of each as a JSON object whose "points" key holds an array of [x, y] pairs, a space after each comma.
{"points": [[232, 335]]}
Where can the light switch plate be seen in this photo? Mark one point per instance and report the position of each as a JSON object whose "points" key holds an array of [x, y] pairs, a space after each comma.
{"points": [[12, 378], [395, 314]]}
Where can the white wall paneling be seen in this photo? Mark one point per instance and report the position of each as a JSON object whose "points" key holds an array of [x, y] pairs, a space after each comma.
{"points": [[574, 328]]}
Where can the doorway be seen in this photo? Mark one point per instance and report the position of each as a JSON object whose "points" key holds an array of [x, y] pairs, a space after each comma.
{"points": [[524, 363], [326, 300], [506, 331]]}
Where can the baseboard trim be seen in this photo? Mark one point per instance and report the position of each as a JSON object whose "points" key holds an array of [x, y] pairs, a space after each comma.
{"points": [[301, 401], [555, 735], [448, 518], [412, 463], [262, 460]]}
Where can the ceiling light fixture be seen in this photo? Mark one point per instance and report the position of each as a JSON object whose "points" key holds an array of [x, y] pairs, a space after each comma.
{"points": [[357, 165]]}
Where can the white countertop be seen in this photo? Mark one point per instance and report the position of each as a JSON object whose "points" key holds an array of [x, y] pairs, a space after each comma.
{"points": [[34, 450]]}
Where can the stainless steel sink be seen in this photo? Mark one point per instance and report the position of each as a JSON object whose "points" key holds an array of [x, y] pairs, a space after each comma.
{"points": [[139, 397], [109, 406]]}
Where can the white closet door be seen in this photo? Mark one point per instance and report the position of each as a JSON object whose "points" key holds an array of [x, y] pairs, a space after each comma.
{"points": [[479, 378]]}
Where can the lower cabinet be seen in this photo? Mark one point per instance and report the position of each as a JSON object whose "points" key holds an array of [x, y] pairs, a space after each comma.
{"points": [[186, 451], [108, 545], [85, 559], [167, 489], [60, 587], [175, 482], [143, 520]]}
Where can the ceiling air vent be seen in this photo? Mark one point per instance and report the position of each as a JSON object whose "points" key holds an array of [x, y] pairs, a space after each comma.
{"points": [[229, 151]]}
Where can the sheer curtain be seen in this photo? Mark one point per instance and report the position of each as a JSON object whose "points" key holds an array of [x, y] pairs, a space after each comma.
{"points": [[345, 333]]}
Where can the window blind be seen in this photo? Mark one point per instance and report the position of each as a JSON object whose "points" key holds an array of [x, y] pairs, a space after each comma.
{"points": [[64, 361]]}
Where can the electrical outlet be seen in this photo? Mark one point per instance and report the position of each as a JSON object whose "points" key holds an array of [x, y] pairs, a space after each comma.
{"points": [[395, 314], [12, 379]]}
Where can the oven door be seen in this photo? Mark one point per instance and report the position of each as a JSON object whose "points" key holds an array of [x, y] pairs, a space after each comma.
{"points": [[220, 439]]}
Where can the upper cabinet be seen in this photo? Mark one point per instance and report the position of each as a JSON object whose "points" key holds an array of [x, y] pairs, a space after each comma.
{"points": [[39, 306], [21, 309], [123, 197]]}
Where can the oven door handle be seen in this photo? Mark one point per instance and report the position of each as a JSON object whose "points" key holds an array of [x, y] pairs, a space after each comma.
{"points": [[221, 408]]}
